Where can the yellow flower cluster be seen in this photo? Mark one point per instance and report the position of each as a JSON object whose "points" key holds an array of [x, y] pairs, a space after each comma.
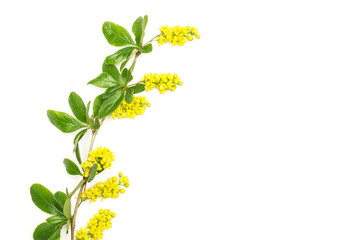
{"points": [[102, 156], [161, 81], [130, 110], [111, 188], [95, 227], [177, 35]]}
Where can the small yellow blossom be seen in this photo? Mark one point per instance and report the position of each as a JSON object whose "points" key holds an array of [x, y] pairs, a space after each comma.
{"points": [[102, 156], [161, 81], [130, 110], [108, 189], [177, 35], [96, 225]]}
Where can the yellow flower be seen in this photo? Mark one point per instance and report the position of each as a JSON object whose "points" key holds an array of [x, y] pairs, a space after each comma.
{"points": [[111, 188], [161, 81], [96, 225], [102, 156], [130, 110], [177, 35]]}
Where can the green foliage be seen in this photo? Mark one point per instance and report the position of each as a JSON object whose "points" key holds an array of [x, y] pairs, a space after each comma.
{"points": [[146, 49], [92, 172], [56, 220], [44, 199], [64, 122], [60, 198], [119, 56], [47, 231], [129, 95], [67, 208], [110, 104], [138, 88], [116, 35], [77, 138], [71, 167], [97, 104], [112, 70], [77, 107], [104, 80]]}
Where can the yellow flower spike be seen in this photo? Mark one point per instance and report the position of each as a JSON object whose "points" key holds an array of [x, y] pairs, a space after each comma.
{"points": [[96, 225], [163, 82], [131, 110], [101, 156], [177, 35], [111, 188]]}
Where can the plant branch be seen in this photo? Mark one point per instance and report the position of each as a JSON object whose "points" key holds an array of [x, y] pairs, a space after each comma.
{"points": [[82, 184]]}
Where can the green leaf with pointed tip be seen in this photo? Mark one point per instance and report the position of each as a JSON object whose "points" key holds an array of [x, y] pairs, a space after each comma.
{"points": [[112, 70], [145, 21], [110, 91], [116, 35], [56, 220], [129, 96], [126, 76], [138, 88], [44, 199], [67, 208], [97, 103], [64, 122], [60, 198], [119, 56], [92, 172], [146, 49], [104, 80], [88, 121], [110, 104], [47, 231], [77, 106], [79, 136], [137, 29], [71, 167]]}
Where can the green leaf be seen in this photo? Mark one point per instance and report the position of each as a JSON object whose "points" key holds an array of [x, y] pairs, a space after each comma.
{"points": [[77, 106], [144, 26], [92, 172], [111, 91], [104, 80], [78, 154], [112, 70], [97, 103], [71, 167], [79, 136], [64, 122], [119, 56], [126, 76], [96, 124], [110, 104], [60, 198], [44, 199], [67, 208], [87, 113], [47, 231], [116, 35], [56, 220], [146, 49], [137, 29], [129, 96], [138, 88]]}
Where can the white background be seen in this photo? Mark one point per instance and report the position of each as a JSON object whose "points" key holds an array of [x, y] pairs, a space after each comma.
{"points": [[261, 141]]}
